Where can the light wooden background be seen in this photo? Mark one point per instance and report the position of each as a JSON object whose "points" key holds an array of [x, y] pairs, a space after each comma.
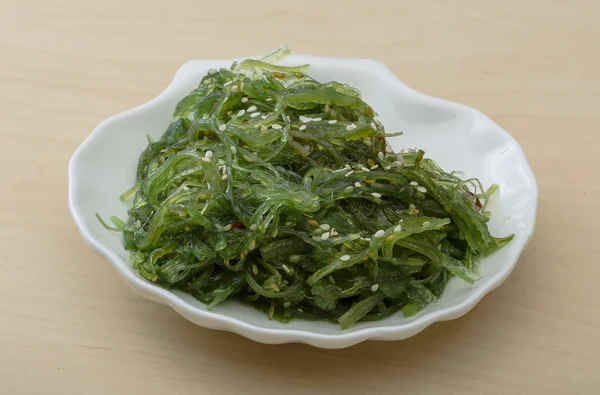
{"points": [[69, 325]]}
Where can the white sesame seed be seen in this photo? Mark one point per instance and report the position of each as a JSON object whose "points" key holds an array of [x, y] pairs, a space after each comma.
{"points": [[253, 227], [379, 233], [387, 167], [317, 119], [268, 99], [212, 71], [368, 143], [234, 88], [400, 157], [263, 128], [397, 164], [222, 127], [345, 258], [349, 173], [332, 122], [414, 183], [325, 236], [347, 166], [373, 126], [254, 114], [287, 304], [205, 159], [244, 99], [398, 228], [286, 268], [233, 150], [366, 238], [277, 126], [251, 109], [325, 226], [374, 167], [334, 233], [289, 223], [227, 228], [422, 189], [288, 118], [426, 223], [254, 269], [302, 127], [357, 184], [305, 120], [242, 112], [380, 155], [207, 81], [365, 170], [351, 127], [389, 149], [374, 287], [224, 177], [252, 245], [263, 117], [318, 232], [300, 309], [228, 83], [208, 154], [375, 194], [349, 189]]}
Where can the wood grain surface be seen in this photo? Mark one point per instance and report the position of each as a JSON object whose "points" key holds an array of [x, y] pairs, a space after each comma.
{"points": [[69, 325]]}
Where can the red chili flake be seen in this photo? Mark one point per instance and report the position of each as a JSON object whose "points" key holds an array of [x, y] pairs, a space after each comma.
{"points": [[477, 201], [478, 204], [238, 225]]}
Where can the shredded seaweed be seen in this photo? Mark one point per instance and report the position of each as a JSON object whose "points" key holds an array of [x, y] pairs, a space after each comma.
{"points": [[280, 191]]}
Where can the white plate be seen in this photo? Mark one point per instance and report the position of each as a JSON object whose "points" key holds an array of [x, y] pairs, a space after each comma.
{"points": [[457, 137]]}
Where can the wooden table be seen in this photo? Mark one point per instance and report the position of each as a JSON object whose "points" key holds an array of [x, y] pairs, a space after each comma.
{"points": [[69, 325]]}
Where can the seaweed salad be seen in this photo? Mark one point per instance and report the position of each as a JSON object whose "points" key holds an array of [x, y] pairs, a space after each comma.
{"points": [[280, 191]]}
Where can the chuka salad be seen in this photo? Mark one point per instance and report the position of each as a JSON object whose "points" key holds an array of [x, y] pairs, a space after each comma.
{"points": [[280, 191]]}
